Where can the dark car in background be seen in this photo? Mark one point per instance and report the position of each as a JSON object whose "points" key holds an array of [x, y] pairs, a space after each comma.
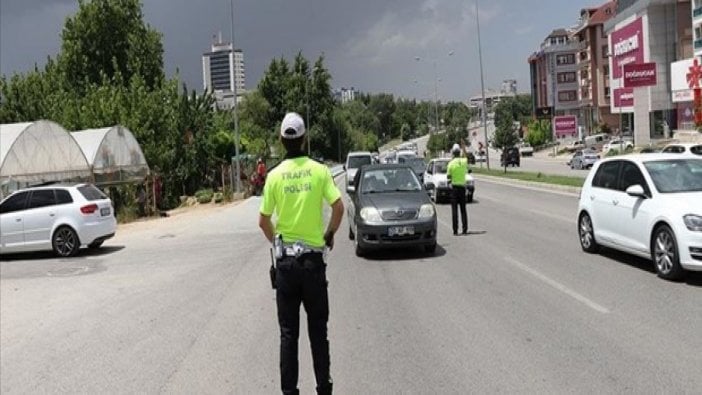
{"points": [[510, 157], [390, 208]]}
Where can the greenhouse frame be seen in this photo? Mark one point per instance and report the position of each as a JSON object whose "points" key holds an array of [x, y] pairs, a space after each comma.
{"points": [[113, 154], [38, 152]]}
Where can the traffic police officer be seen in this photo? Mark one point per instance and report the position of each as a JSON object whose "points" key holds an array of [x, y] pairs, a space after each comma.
{"points": [[295, 191], [457, 169]]}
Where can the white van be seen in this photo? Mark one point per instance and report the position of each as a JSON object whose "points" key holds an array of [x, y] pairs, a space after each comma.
{"points": [[354, 161], [596, 141]]}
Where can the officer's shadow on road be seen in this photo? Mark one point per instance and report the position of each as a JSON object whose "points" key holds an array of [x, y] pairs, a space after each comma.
{"points": [[404, 254], [690, 278]]}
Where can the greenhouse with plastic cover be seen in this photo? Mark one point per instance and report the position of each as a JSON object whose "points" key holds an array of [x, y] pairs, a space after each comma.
{"points": [[37, 152], [113, 154]]}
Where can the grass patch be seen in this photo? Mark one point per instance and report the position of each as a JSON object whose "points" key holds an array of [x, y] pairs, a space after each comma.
{"points": [[531, 176]]}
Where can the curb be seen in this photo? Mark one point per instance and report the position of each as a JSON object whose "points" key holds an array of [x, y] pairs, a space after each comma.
{"points": [[542, 186]]}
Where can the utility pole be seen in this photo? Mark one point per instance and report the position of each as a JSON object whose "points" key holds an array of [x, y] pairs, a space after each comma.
{"points": [[436, 99], [482, 88]]}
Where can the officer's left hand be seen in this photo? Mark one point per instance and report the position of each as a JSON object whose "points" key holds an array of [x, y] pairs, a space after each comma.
{"points": [[329, 239]]}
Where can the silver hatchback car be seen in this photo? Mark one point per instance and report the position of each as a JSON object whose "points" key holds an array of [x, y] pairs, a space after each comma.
{"points": [[584, 159]]}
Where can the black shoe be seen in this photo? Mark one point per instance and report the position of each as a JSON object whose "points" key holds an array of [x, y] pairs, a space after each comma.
{"points": [[455, 233], [465, 232]]}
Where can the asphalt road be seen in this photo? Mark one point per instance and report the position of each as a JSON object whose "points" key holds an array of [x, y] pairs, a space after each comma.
{"points": [[184, 305]]}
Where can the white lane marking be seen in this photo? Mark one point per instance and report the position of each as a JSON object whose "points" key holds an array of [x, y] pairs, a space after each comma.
{"points": [[560, 287]]}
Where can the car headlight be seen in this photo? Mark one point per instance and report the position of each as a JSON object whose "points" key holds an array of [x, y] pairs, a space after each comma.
{"points": [[426, 211], [693, 222], [370, 214]]}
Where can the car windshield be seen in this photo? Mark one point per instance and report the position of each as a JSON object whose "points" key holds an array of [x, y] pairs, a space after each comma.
{"points": [[389, 180], [677, 175], [417, 164], [441, 167], [357, 161]]}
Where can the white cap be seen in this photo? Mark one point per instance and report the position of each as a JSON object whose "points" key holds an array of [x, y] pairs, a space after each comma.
{"points": [[456, 148], [293, 126]]}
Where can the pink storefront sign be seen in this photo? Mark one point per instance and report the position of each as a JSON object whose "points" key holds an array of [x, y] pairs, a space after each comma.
{"points": [[641, 74], [627, 46], [565, 125], [623, 97]]}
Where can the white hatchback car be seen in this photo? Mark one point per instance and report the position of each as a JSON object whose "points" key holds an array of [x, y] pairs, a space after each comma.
{"points": [[648, 205], [61, 218]]}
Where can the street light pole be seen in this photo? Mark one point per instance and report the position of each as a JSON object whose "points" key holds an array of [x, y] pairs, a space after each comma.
{"points": [[436, 100], [236, 106], [482, 88]]}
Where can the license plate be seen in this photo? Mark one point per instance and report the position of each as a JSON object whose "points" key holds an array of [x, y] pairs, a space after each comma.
{"points": [[400, 230], [105, 211]]}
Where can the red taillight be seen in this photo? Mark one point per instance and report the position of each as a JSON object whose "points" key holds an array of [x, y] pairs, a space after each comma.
{"points": [[89, 209]]}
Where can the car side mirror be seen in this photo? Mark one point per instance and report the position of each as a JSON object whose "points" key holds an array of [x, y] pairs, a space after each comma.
{"points": [[636, 191], [344, 167]]}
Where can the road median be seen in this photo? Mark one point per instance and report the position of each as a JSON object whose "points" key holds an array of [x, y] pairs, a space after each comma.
{"points": [[549, 182]]}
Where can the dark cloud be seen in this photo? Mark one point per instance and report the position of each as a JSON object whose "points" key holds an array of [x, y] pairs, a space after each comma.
{"points": [[368, 44]]}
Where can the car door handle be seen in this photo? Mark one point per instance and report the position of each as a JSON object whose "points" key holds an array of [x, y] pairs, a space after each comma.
{"points": [[592, 197], [18, 220], [615, 202], [52, 215]]}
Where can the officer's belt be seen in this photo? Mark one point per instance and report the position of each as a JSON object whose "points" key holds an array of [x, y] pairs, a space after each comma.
{"points": [[298, 249]]}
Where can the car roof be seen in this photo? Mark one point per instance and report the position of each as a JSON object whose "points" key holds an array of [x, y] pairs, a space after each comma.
{"points": [[382, 166], [686, 145], [359, 153], [52, 186], [654, 156]]}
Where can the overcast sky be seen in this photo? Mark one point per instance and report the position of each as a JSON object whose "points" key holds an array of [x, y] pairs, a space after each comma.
{"points": [[368, 44]]}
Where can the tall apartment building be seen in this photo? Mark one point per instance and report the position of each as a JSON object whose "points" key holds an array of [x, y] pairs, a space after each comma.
{"points": [[593, 68], [554, 75], [223, 67], [509, 87]]}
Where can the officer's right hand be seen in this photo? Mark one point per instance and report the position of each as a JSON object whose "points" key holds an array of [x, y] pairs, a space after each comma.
{"points": [[329, 239]]}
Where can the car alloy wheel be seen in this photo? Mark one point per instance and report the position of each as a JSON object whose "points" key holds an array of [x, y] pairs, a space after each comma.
{"points": [[587, 234], [65, 242], [665, 254]]}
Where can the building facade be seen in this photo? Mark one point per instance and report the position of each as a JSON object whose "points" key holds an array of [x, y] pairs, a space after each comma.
{"points": [[648, 31], [554, 76], [222, 71], [697, 26], [593, 70]]}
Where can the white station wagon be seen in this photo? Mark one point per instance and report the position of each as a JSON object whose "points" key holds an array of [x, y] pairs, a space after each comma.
{"points": [[61, 218], [648, 205]]}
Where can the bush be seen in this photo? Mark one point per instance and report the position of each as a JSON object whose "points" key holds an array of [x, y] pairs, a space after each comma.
{"points": [[218, 197], [204, 196], [127, 213], [228, 194]]}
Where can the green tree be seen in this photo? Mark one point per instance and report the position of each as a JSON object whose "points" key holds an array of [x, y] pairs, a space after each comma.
{"points": [[109, 37]]}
